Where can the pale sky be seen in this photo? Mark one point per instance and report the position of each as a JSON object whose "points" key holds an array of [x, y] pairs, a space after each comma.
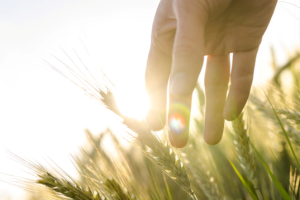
{"points": [[43, 114]]}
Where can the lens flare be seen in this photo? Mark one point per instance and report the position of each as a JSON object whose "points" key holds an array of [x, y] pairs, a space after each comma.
{"points": [[177, 123]]}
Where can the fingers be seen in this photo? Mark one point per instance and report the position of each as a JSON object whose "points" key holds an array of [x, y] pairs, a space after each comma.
{"points": [[157, 76], [216, 85], [241, 80], [186, 66]]}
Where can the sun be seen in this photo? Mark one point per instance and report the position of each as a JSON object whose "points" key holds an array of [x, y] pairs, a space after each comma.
{"points": [[133, 103]]}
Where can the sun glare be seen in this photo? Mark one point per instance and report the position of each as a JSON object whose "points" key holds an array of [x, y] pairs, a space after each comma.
{"points": [[133, 103]]}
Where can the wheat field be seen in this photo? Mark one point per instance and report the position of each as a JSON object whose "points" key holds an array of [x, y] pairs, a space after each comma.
{"points": [[258, 157]]}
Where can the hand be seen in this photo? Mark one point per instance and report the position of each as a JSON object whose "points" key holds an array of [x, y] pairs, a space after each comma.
{"points": [[183, 32]]}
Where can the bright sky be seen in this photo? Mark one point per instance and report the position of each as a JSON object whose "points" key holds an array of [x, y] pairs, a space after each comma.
{"points": [[43, 114]]}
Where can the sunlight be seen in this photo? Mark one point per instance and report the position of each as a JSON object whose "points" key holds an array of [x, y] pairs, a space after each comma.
{"points": [[44, 113], [134, 103]]}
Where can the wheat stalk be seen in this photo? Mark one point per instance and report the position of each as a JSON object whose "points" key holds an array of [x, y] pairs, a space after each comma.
{"points": [[244, 151], [64, 188], [101, 188], [160, 153]]}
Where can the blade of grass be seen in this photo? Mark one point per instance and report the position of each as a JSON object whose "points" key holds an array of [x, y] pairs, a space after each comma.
{"points": [[167, 187], [280, 188], [280, 168], [253, 195], [285, 134]]}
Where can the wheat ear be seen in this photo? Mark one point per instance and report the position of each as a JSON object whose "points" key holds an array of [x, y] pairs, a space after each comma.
{"points": [[67, 189], [244, 151], [160, 153], [204, 180], [171, 164], [264, 107], [290, 114]]}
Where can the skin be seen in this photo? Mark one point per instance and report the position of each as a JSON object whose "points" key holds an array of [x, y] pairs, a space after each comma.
{"points": [[183, 32]]}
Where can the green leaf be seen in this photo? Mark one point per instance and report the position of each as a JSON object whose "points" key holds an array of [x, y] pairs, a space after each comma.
{"points": [[253, 195], [280, 188], [283, 130]]}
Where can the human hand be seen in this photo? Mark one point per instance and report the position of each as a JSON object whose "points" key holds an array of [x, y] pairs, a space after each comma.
{"points": [[183, 32]]}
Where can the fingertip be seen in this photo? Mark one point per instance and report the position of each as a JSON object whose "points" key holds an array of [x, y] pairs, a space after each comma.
{"points": [[177, 143], [234, 106], [211, 140], [213, 132], [230, 113], [177, 138], [156, 120], [229, 116]]}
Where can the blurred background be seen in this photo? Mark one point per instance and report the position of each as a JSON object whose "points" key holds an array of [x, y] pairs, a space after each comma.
{"points": [[42, 114]]}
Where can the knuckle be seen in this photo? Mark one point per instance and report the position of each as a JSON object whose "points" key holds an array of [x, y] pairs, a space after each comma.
{"points": [[164, 42], [155, 34], [186, 50]]}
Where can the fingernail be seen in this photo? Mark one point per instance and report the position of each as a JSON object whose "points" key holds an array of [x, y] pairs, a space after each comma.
{"points": [[179, 84]]}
